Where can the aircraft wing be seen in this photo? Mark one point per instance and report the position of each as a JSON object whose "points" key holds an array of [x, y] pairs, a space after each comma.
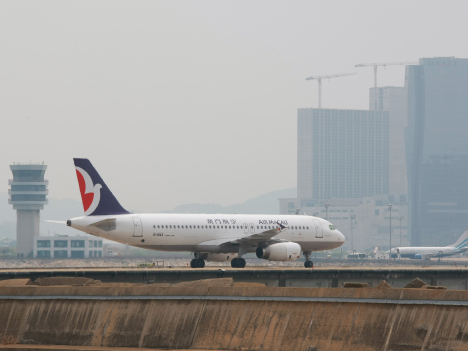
{"points": [[253, 240]]}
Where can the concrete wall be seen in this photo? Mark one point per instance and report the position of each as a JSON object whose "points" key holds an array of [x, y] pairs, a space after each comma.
{"points": [[235, 325], [452, 278]]}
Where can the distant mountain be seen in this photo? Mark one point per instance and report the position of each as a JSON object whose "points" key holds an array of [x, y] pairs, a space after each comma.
{"points": [[58, 209], [263, 204]]}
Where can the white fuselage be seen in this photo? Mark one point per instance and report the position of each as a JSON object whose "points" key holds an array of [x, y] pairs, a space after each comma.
{"points": [[205, 232], [428, 251]]}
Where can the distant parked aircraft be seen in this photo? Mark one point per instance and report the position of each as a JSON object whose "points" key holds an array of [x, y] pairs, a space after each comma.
{"points": [[428, 252]]}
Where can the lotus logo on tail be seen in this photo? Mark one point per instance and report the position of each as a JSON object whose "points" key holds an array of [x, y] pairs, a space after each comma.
{"points": [[90, 193]]}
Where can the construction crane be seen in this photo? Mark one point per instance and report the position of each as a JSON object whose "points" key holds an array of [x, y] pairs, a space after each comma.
{"points": [[319, 80], [384, 64]]}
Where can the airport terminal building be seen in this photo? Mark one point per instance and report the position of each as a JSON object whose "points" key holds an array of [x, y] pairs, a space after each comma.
{"points": [[63, 246]]}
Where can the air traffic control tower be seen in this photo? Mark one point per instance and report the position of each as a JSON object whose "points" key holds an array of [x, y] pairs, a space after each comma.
{"points": [[28, 196]]}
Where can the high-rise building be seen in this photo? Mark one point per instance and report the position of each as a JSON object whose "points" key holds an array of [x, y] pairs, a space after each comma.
{"points": [[437, 149], [393, 100], [28, 195], [342, 153]]}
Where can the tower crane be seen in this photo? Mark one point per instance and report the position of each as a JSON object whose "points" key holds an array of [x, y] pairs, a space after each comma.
{"points": [[319, 80], [384, 64]]}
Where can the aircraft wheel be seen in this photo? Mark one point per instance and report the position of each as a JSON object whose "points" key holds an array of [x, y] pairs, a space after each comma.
{"points": [[194, 263], [241, 263], [308, 264], [201, 263], [234, 262]]}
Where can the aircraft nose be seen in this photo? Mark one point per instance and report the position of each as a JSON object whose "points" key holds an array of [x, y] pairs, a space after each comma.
{"points": [[341, 237]]}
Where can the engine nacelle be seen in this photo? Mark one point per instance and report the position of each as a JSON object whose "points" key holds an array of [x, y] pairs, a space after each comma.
{"points": [[280, 252], [218, 257]]}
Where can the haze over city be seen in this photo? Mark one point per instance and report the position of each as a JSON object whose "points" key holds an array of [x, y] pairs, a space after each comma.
{"points": [[183, 102]]}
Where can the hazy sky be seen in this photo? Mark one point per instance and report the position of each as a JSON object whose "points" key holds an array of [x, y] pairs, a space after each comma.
{"points": [[194, 101]]}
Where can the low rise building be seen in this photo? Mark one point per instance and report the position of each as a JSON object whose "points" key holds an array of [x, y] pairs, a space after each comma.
{"points": [[64, 246], [364, 222]]}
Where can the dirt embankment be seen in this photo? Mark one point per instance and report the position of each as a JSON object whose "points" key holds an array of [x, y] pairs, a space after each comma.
{"points": [[232, 324]]}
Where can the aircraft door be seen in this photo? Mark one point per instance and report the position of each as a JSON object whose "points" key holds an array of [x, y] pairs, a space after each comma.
{"points": [[137, 227], [318, 228], [246, 228]]}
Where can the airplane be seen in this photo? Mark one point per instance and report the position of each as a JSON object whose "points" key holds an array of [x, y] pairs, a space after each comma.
{"points": [[211, 237], [427, 252]]}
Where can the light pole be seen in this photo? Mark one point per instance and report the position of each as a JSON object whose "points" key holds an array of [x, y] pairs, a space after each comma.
{"points": [[390, 252], [352, 237], [326, 207], [401, 218]]}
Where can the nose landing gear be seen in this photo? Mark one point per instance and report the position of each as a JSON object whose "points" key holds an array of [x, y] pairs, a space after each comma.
{"points": [[308, 263]]}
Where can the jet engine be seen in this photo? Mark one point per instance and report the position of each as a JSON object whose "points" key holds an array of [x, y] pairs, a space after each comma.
{"points": [[218, 257], [280, 252]]}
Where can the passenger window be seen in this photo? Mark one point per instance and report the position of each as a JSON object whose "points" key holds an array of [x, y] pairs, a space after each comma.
{"points": [[299, 227], [154, 226], [187, 226], [170, 226], [257, 226], [295, 228]]}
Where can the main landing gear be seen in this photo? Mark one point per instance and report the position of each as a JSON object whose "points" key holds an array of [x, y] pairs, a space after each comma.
{"points": [[238, 263], [308, 263], [197, 262]]}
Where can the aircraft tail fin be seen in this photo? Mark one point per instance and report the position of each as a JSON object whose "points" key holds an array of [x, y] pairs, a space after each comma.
{"points": [[462, 241], [96, 197]]}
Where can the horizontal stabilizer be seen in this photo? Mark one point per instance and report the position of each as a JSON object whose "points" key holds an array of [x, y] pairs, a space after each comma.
{"points": [[107, 225]]}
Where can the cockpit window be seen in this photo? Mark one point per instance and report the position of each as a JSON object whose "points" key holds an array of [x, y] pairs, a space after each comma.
{"points": [[332, 227]]}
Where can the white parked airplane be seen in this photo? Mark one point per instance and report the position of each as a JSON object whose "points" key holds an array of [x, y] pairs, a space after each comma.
{"points": [[427, 252], [212, 237]]}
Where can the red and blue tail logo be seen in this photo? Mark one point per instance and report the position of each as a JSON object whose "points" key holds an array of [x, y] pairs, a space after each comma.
{"points": [[96, 197]]}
